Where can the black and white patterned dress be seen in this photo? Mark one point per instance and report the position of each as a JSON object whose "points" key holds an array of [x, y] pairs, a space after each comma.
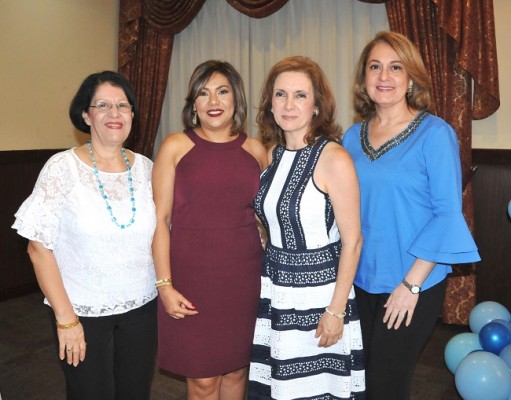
{"points": [[298, 280]]}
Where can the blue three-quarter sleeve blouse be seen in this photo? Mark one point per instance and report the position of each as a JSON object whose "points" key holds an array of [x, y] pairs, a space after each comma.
{"points": [[411, 204]]}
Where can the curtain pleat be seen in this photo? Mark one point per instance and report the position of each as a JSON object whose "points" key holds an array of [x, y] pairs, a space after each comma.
{"points": [[472, 25], [170, 16], [257, 8]]}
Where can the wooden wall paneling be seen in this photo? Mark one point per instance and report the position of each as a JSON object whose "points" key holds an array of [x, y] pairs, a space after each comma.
{"points": [[492, 193], [18, 173]]}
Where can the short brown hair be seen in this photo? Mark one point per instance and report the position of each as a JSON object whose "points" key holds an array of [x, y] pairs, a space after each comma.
{"points": [[322, 125], [201, 75], [419, 99]]}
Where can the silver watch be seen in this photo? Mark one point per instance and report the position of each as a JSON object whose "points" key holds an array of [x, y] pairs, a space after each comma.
{"points": [[415, 289]]}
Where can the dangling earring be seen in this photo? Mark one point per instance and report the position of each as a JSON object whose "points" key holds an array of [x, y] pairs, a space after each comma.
{"points": [[409, 91], [316, 112], [194, 118]]}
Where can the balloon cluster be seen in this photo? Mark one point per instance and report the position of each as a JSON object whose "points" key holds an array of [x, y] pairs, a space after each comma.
{"points": [[481, 360]]}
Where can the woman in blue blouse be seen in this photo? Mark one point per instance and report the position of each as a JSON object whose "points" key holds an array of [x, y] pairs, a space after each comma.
{"points": [[408, 166]]}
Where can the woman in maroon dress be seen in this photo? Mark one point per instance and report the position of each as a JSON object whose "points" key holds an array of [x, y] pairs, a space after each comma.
{"points": [[207, 250]]}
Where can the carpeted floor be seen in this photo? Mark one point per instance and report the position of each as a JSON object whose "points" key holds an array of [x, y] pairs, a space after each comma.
{"points": [[29, 371]]}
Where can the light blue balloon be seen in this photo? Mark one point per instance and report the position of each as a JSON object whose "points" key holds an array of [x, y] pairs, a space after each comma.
{"points": [[505, 354], [486, 312], [483, 375], [509, 208], [458, 347], [507, 324]]}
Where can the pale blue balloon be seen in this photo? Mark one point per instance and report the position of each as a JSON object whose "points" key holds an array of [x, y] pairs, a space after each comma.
{"points": [[485, 312], [483, 375], [505, 354], [458, 347], [507, 324], [509, 209]]}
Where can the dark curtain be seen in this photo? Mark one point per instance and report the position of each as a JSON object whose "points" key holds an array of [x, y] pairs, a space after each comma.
{"points": [[457, 41], [455, 37]]}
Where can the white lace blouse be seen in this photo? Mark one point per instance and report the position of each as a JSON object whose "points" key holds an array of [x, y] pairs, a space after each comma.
{"points": [[106, 270]]}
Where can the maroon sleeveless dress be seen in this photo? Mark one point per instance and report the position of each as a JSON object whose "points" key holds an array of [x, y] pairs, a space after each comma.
{"points": [[216, 260]]}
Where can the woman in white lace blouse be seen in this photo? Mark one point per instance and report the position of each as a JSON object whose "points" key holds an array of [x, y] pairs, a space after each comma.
{"points": [[90, 221]]}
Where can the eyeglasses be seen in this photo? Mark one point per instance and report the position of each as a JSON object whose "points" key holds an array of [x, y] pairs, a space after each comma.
{"points": [[103, 106]]}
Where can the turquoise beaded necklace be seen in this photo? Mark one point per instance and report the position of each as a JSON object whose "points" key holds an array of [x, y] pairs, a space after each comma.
{"points": [[102, 189]]}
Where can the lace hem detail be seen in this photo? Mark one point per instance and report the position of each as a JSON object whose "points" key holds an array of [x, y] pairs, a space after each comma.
{"points": [[106, 310]]}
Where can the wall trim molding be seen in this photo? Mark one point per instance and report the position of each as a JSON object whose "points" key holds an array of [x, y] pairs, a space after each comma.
{"points": [[491, 156]]}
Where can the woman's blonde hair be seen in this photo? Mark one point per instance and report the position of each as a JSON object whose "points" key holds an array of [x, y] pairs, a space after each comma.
{"points": [[419, 98]]}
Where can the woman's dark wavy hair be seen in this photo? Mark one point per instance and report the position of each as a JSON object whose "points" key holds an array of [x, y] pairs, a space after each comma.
{"points": [[322, 125], [83, 97], [419, 99], [200, 77]]}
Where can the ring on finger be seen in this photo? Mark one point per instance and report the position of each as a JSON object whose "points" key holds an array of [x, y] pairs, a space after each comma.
{"points": [[69, 349]]}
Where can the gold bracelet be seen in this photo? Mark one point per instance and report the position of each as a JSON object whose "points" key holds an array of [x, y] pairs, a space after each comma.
{"points": [[70, 325], [163, 282], [340, 315]]}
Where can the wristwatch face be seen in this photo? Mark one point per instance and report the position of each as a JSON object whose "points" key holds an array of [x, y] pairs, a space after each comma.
{"points": [[413, 288]]}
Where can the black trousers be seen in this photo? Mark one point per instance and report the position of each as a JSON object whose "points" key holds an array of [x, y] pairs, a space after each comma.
{"points": [[391, 354], [120, 358]]}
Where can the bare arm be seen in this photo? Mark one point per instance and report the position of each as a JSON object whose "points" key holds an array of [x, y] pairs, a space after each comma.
{"points": [[257, 150], [336, 175], [163, 178], [50, 281]]}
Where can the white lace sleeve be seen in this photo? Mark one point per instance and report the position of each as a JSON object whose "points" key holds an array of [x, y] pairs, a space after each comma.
{"points": [[147, 169], [39, 215]]}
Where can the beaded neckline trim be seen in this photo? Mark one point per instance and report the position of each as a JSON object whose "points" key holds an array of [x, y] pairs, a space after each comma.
{"points": [[105, 196], [374, 154]]}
